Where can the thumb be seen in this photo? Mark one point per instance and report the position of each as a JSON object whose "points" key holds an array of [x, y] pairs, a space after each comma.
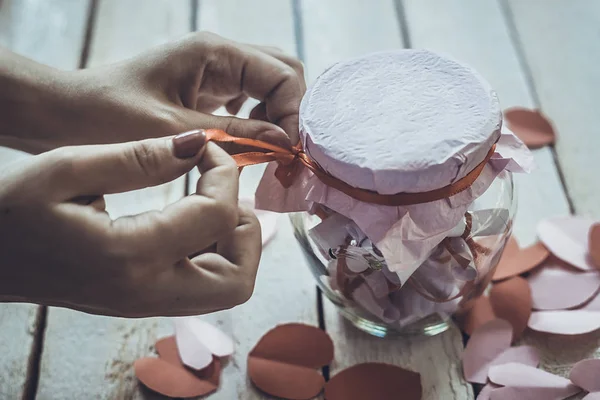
{"points": [[241, 127], [116, 168]]}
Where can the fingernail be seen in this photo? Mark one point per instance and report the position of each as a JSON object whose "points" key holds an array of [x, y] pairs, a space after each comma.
{"points": [[278, 138], [188, 144]]}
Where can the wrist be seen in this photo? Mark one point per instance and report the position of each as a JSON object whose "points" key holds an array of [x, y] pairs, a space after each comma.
{"points": [[31, 101]]}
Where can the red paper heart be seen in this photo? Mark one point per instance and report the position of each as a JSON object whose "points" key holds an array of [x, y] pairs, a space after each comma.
{"points": [[170, 380], [511, 301], [594, 244], [283, 362], [374, 381], [531, 126], [515, 263]]}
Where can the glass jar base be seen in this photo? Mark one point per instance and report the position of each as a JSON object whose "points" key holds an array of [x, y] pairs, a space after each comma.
{"points": [[426, 327]]}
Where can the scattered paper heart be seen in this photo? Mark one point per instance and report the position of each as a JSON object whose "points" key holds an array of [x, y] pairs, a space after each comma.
{"points": [[527, 382], [558, 287], [565, 322], [567, 238], [486, 391], [283, 363], [531, 126], [198, 340], [594, 244], [485, 344], [514, 263], [479, 314], [170, 380], [168, 376], [374, 381], [511, 301], [586, 375]]}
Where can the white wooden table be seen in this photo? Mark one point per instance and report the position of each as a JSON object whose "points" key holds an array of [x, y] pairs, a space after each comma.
{"points": [[537, 53]]}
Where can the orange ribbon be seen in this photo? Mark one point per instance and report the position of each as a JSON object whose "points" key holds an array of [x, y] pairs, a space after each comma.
{"points": [[292, 160]]}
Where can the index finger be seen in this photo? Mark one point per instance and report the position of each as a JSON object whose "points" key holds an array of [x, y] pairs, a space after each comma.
{"points": [[275, 83]]}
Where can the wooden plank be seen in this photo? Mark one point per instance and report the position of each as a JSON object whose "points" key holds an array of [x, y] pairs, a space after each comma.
{"points": [[285, 290], [88, 356], [465, 29], [335, 30], [560, 45], [51, 32]]}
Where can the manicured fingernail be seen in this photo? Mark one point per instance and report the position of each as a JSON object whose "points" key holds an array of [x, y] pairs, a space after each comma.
{"points": [[278, 138], [188, 144]]}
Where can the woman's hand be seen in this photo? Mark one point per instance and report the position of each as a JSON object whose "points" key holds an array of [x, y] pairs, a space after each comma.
{"points": [[170, 89], [60, 247]]}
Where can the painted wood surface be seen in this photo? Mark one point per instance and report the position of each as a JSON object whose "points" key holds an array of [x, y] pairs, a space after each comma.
{"points": [[333, 31], [51, 32], [88, 356], [285, 290]]}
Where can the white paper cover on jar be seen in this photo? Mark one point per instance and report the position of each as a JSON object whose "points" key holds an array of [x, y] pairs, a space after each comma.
{"points": [[392, 122]]}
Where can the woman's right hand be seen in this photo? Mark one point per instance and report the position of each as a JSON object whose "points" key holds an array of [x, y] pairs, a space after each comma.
{"points": [[59, 246]]}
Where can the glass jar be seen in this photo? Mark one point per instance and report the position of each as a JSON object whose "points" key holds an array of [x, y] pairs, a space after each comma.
{"points": [[401, 188], [425, 305]]}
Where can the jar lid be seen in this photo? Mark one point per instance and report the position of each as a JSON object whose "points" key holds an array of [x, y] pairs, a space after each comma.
{"points": [[399, 121]]}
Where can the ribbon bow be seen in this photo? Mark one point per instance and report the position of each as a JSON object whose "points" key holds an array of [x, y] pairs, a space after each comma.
{"points": [[292, 160]]}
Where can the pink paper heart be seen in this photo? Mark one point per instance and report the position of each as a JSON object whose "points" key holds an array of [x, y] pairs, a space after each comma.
{"points": [[527, 393], [527, 382], [487, 390], [586, 375], [198, 340], [567, 238], [592, 396], [565, 322], [554, 287], [592, 305], [485, 344], [527, 355]]}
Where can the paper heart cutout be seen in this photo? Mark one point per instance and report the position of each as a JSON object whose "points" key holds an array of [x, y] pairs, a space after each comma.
{"points": [[592, 305], [567, 238], [523, 379], [586, 375], [594, 244], [513, 263], [198, 340], [267, 219], [511, 301], [479, 314], [565, 322], [485, 344], [167, 350], [486, 391], [531, 126], [556, 287], [374, 381], [171, 380], [527, 393], [592, 396], [284, 360], [526, 354]]}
